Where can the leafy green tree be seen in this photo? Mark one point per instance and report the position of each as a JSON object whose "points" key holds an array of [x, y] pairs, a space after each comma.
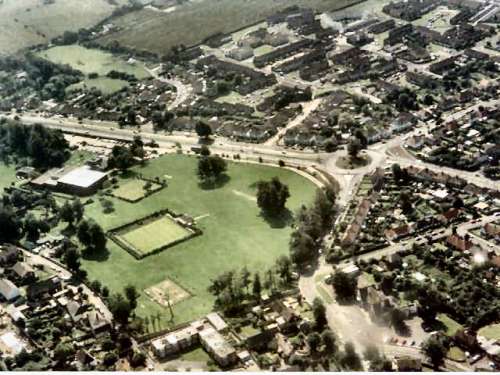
{"points": [[350, 359], [203, 129], [211, 168], [319, 312], [120, 308], [314, 341], [132, 295], [256, 286], [72, 259], [284, 268], [302, 247], [435, 350], [329, 342], [67, 214], [272, 196], [353, 148], [345, 287], [78, 210]]}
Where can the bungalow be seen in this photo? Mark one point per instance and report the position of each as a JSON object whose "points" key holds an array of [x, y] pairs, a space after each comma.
{"points": [[217, 346], [8, 290], [48, 286]]}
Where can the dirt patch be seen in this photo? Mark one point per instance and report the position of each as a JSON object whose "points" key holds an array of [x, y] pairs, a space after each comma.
{"points": [[167, 290]]}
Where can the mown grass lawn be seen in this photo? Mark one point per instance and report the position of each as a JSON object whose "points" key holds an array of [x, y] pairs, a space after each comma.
{"points": [[490, 332], [452, 327], [133, 189], [7, 175], [155, 234], [234, 233]]}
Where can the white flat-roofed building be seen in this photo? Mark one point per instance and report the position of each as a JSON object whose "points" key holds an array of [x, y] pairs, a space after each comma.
{"points": [[217, 346], [217, 322], [81, 181]]}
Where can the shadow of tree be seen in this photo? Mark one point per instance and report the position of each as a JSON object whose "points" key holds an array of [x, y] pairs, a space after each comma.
{"points": [[281, 220], [129, 173], [218, 183], [96, 256]]}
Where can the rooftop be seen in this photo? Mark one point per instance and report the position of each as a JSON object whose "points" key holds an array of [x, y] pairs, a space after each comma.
{"points": [[82, 177]]}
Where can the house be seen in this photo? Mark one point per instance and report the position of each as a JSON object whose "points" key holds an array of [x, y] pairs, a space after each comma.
{"points": [[394, 234], [23, 270], [48, 286], [96, 321], [8, 290], [240, 53], [27, 173], [416, 142], [9, 254], [458, 242], [449, 215], [259, 340], [75, 310], [403, 122], [175, 341]]}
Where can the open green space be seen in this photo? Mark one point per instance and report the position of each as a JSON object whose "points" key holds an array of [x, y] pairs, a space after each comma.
{"points": [[155, 234], [456, 354], [133, 189], [104, 84], [234, 232], [452, 327], [7, 175], [192, 22], [491, 332], [92, 60]]}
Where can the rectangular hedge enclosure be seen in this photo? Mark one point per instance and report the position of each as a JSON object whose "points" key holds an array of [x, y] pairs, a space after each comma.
{"points": [[153, 233]]}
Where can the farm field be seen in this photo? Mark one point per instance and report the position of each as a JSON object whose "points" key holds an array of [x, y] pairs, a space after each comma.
{"points": [[158, 32], [155, 234], [234, 233], [25, 23]]}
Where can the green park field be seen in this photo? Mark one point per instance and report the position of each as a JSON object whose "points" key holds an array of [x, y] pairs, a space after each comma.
{"points": [[491, 332], [155, 234], [234, 233], [133, 189]]}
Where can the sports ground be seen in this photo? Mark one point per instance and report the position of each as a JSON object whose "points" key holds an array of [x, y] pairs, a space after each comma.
{"points": [[234, 233]]}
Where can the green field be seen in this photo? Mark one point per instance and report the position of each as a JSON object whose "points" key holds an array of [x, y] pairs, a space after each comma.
{"points": [[133, 189], [491, 332], [452, 327], [456, 354], [7, 175], [92, 60], [189, 24], [155, 234], [234, 233], [103, 84]]}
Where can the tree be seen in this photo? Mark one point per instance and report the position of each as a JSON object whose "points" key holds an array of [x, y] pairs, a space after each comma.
{"points": [[120, 308], [92, 236], [345, 287], [314, 341], [121, 158], [324, 206], [78, 210], [302, 247], [272, 196], [9, 225], [350, 359], [245, 278], [329, 342], [359, 134], [256, 286], [284, 268], [399, 175], [205, 151], [319, 312], [435, 350], [132, 295], [211, 168], [67, 214], [63, 352], [203, 129], [353, 148], [72, 259], [378, 362]]}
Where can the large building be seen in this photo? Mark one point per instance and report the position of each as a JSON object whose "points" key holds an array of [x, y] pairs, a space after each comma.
{"points": [[79, 181]]}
